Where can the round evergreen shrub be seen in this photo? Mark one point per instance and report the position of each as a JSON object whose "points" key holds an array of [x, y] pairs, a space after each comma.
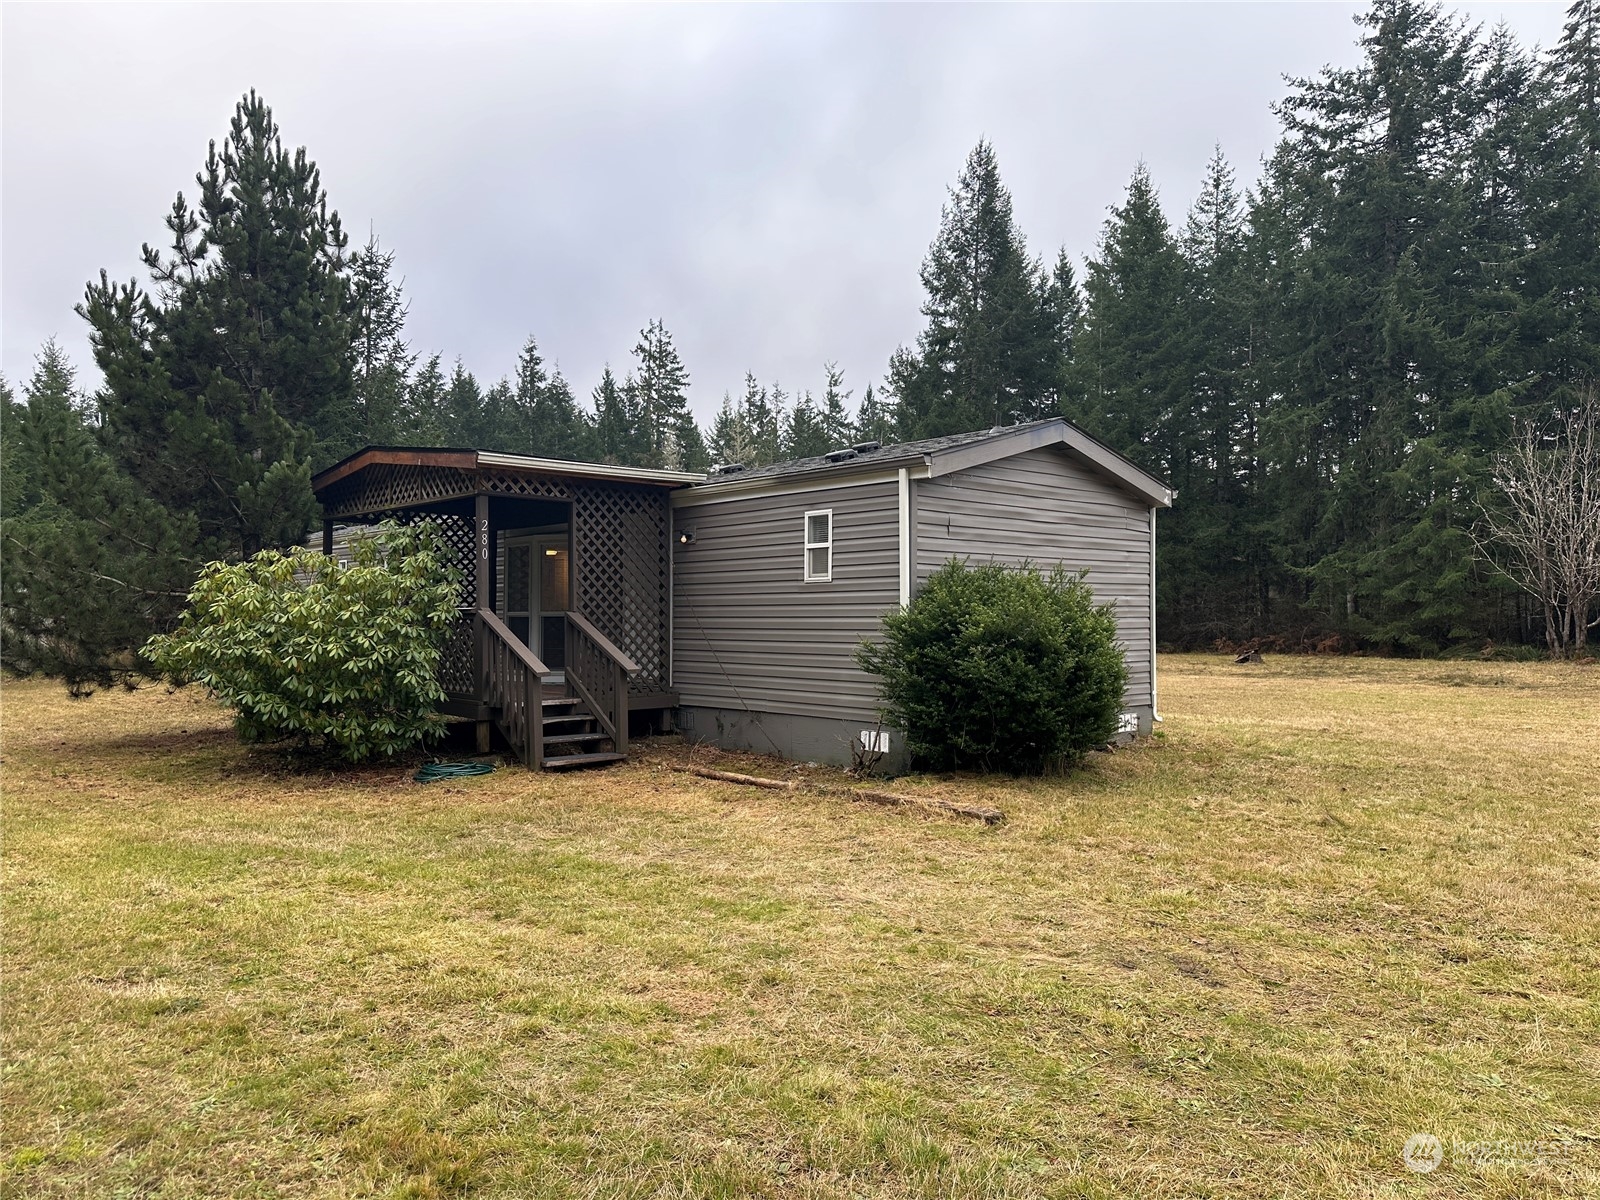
{"points": [[340, 656], [1000, 669]]}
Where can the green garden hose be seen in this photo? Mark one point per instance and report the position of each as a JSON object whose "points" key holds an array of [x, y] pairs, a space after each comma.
{"points": [[443, 770]]}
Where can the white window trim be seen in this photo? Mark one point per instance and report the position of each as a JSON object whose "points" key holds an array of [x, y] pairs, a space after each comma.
{"points": [[805, 566]]}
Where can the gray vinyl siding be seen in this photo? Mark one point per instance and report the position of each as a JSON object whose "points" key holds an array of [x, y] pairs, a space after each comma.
{"points": [[749, 634], [1044, 507]]}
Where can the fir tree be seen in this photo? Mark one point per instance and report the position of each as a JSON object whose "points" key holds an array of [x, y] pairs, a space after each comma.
{"points": [[990, 352], [466, 422], [498, 418], [876, 421], [619, 433], [1210, 559], [663, 394], [1566, 205], [382, 362], [424, 418], [1379, 395], [768, 422], [1130, 353], [1067, 312], [730, 440], [837, 428], [805, 434], [92, 566], [543, 415]]}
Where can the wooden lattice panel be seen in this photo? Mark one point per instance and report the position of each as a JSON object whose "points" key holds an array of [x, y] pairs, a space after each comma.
{"points": [[527, 487], [622, 534], [385, 487], [456, 534], [456, 674]]}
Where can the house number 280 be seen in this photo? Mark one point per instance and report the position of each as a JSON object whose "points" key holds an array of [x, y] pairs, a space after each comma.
{"points": [[483, 538]]}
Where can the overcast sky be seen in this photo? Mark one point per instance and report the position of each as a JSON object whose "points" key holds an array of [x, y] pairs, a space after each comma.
{"points": [[765, 179]]}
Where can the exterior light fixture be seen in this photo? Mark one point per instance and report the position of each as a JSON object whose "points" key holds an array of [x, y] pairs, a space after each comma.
{"points": [[685, 536]]}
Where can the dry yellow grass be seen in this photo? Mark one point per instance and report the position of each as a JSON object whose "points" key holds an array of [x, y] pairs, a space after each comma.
{"points": [[1338, 902]]}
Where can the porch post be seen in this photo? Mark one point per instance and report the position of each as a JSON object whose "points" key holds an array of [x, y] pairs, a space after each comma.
{"points": [[327, 536], [480, 596]]}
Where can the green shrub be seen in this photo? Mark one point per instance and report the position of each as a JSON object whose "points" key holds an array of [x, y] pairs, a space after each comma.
{"points": [[342, 657], [1000, 669]]}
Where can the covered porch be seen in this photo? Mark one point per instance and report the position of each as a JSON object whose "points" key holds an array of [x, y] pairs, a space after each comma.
{"points": [[563, 635]]}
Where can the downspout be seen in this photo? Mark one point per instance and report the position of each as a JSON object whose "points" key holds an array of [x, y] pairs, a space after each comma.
{"points": [[1155, 709], [906, 555], [672, 591]]}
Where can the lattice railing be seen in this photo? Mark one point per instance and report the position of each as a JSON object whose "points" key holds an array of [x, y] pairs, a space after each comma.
{"points": [[622, 534]]}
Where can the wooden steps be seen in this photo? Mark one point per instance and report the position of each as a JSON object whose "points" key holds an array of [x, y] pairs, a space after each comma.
{"points": [[572, 730], [565, 762]]}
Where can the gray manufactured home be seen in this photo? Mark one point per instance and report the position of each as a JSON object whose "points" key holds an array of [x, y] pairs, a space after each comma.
{"points": [[599, 600], [781, 571]]}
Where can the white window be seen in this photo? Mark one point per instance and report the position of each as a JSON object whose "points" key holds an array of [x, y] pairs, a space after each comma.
{"points": [[819, 546]]}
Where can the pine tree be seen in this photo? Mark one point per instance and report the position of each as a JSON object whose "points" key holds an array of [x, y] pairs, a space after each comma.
{"points": [[225, 385], [990, 353], [92, 566], [14, 484], [686, 446]]}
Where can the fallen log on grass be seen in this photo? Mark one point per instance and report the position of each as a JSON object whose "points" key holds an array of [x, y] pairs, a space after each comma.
{"points": [[973, 812]]}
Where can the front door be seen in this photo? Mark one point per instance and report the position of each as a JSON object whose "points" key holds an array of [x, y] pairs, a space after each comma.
{"points": [[538, 575]]}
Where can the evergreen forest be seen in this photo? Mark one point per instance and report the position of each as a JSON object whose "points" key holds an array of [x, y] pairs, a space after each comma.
{"points": [[1324, 363]]}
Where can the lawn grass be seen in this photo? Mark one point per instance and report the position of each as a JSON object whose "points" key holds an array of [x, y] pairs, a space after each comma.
{"points": [[1335, 903]]}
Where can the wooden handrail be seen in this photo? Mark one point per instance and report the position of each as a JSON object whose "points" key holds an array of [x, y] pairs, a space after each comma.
{"points": [[598, 672], [511, 680], [605, 643], [516, 645]]}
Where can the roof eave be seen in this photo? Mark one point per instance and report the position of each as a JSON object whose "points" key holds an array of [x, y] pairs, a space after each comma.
{"points": [[1058, 432], [472, 460]]}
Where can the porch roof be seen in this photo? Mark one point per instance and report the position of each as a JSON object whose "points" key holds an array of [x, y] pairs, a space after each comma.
{"points": [[446, 459]]}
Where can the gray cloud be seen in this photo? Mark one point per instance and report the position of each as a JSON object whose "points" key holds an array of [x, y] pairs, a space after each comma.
{"points": [[766, 179]]}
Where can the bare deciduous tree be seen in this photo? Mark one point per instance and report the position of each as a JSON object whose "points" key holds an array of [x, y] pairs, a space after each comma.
{"points": [[1548, 526]]}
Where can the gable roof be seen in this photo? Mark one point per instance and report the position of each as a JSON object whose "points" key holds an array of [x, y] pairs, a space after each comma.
{"points": [[953, 452], [471, 460]]}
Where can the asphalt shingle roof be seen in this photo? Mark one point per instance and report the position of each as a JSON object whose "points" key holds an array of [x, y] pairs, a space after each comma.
{"points": [[885, 454]]}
